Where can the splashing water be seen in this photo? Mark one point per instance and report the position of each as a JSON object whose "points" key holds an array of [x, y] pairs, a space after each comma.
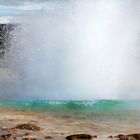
{"points": [[79, 50]]}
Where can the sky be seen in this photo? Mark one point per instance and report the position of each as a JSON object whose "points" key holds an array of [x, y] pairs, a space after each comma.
{"points": [[18, 8]]}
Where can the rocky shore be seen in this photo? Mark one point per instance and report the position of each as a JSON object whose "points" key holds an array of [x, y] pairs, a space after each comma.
{"points": [[17, 125]]}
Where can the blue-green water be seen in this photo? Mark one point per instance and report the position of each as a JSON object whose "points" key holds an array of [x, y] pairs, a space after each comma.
{"points": [[92, 110]]}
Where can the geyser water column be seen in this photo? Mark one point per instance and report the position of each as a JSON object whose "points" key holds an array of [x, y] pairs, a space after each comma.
{"points": [[8, 75], [82, 50]]}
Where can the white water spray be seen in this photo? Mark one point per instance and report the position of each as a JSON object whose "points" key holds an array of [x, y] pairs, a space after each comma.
{"points": [[81, 50]]}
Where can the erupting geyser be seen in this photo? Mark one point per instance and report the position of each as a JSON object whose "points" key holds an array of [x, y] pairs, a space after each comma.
{"points": [[80, 50]]}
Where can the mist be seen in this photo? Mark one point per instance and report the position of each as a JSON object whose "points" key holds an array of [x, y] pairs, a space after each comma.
{"points": [[79, 50]]}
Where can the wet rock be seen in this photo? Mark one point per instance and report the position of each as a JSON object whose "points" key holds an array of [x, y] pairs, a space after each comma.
{"points": [[4, 135], [11, 130], [28, 138], [27, 134], [128, 137], [136, 136], [110, 137], [79, 136], [48, 137], [28, 126], [4, 128]]}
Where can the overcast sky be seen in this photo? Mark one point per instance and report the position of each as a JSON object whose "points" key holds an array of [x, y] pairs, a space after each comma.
{"points": [[17, 7], [18, 2]]}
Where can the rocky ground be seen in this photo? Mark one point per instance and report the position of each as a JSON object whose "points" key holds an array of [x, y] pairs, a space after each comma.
{"points": [[17, 125]]}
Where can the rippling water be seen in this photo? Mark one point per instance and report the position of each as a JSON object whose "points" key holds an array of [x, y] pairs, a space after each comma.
{"points": [[99, 110]]}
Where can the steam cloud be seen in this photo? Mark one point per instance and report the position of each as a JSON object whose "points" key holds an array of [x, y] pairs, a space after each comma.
{"points": [[82, 49]]}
